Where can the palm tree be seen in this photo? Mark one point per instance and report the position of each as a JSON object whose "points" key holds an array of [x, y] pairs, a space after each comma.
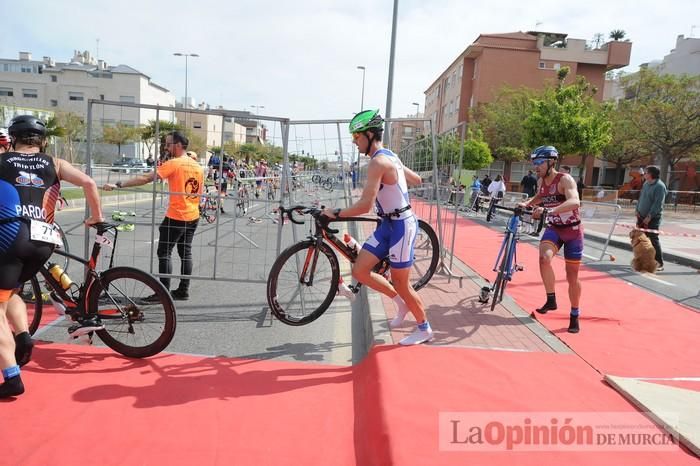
{"points": [[617, 34]]}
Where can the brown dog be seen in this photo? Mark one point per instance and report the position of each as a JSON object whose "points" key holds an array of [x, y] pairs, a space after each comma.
{"points": [[644, 253]]}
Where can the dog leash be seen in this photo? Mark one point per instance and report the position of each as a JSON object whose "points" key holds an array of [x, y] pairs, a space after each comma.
{"points": [[658, 232]]}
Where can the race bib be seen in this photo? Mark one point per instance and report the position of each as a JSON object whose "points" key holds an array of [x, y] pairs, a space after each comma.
{"points": [[46, 232]]}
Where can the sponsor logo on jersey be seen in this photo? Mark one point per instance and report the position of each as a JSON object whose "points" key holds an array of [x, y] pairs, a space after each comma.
{"points": [[29, 179]]}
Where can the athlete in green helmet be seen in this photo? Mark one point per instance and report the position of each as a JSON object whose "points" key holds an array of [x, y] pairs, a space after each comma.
{"points": [[387, 189]]}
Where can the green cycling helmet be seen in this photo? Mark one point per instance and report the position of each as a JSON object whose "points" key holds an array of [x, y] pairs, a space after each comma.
{"points": [[366, 119]]}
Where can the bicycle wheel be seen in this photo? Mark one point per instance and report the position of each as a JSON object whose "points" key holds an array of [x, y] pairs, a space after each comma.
{"points": [[134, 326], [502, 277], [426, 255], [33, 297], [316, 178], [292, 299]]}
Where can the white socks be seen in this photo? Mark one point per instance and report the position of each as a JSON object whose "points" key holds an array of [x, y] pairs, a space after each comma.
{"points": [[402, 310]]}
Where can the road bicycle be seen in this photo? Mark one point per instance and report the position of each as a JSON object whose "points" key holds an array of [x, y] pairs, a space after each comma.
{"points": [[134, 309], [325, 183], [305, 278], [209, 205], [507, 260]]}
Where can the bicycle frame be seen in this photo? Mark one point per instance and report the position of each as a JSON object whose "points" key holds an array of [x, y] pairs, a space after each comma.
{"points": [[512, 231], [324, 234], [91, 275]]}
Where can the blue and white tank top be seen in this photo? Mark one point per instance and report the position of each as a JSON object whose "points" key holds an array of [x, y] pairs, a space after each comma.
{"points": [[393, 197]]}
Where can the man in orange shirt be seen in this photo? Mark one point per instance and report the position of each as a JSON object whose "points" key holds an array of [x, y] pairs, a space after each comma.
{"points": [[185, 180]]}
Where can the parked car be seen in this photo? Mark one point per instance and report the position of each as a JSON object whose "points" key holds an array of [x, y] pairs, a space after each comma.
{"points": [[128, 165]]}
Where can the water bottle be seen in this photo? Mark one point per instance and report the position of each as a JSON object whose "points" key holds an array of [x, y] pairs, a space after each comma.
{"points": [[351, 242], [345, 290], [60, 276]]}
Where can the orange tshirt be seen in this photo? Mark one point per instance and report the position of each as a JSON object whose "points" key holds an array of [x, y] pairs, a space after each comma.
{"points": [[184, 175]]}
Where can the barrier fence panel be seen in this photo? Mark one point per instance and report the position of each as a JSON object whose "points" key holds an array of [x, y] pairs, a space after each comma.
{"points": [[238, 241], [599, 219]]}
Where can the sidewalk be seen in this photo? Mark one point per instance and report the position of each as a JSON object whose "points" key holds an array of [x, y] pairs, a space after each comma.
{"points": [[680, 241]]}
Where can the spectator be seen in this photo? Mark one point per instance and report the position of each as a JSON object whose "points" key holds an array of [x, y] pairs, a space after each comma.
{"points": [[580, 187], [186, 180], [497, 188], [485, 184], [529, 184], [650, 209]]}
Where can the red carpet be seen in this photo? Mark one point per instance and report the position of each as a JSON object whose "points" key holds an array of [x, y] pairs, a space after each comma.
{"points": [[85, 404], [625, 330]]}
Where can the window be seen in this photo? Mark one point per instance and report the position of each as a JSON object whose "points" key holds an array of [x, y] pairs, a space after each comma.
{"points": [[471, 102], [30, 93], [54, 78], [129, 99], [102, 97], [197, 124], [6, 91], [557, 66], [27, 68], [54, 103], [408, 131], [542, 65], [75, 96], [107, 122], [475, 68]]}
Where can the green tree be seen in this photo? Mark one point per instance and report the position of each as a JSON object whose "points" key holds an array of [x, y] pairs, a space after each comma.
{"points": [[119, 135], [503, 122], [148, 132], [665, 112], [624, 147], [568, 117], [73, 129], [476, 152], [617, 34]]}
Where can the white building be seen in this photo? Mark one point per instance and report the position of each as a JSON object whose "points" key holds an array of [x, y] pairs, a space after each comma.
{"points": [[66, 87]]}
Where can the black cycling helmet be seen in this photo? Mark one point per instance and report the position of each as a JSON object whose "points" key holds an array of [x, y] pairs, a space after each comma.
{"points": [[545, 152], [23, 124]]}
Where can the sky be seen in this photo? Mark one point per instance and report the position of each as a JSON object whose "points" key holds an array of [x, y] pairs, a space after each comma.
{"points": [[299, 58]]}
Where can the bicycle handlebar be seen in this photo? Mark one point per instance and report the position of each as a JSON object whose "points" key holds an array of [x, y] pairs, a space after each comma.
{"points": [[316, 213], [520, 211]]}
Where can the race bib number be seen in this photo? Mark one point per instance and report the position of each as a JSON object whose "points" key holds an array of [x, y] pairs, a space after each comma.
{"points": [[46, 232], [103, 240]]}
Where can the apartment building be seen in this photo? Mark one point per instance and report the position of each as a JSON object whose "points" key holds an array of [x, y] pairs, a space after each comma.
{"points": [[405, 132], [515, 59], [54, 86], [531, 59]]}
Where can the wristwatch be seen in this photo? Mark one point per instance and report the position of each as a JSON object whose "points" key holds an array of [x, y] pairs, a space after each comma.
{"points": [[336, 212]]}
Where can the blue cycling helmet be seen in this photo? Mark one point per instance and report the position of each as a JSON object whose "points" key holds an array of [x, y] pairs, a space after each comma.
{"points": [[545, 152]]}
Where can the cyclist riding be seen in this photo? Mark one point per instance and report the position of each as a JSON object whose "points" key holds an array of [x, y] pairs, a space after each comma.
{"points": [[29, 187], [387, 186], [557, 193]]}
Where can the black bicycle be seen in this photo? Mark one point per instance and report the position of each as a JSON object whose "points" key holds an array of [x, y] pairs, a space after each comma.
{"points": [[134, 309], [305, 278], [507, 260]]}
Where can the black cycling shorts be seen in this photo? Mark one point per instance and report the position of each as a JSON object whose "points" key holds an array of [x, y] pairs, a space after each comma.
{"points": [[23, 259]]}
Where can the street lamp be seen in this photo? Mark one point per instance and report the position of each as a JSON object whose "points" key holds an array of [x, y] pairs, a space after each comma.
{"points": [[362, 100], [257, 122], [417, 108], [186, 55]]}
